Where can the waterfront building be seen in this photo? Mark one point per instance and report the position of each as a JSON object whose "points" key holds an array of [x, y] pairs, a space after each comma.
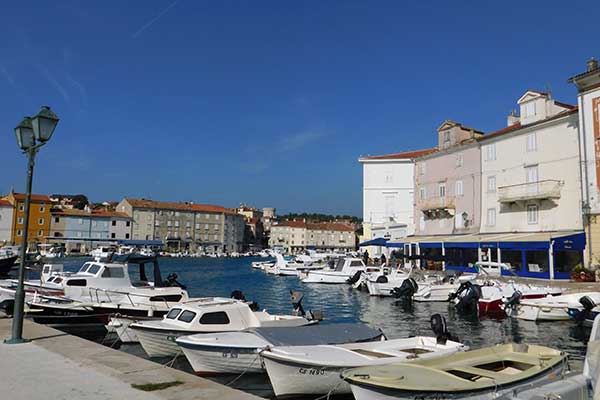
{"points": [[6, 220], [588, 101], [253, 230], [298, 235], [388, 196], [120, 225], [39, 218], [447, 183], [184, 226]]}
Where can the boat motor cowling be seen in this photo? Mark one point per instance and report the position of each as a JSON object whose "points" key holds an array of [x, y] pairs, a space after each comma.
{"points": [[513, 300], [440, 329], [238, 295], [171, 281], [354, 278], [468, 298], [588, 304], [297, 298], [382, 279], [406, 291]]}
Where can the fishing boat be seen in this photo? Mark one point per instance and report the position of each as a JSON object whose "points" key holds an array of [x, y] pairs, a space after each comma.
{"points": [[315, 370], [8, 258], [207, 315], [237, 352], [344, 269], [553, 308], [478, 374]]}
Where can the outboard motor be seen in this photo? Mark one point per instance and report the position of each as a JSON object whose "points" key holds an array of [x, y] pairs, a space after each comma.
{"points": [[588, 304], [238, 295], [513, 300], [382, 279], [171, 281], [468, 302], [440, 329], [354, 278], [406, 291], [297, 298]]}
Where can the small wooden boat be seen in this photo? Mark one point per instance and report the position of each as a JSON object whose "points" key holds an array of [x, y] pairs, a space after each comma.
{"points": [[479, 374], [315, 370]]}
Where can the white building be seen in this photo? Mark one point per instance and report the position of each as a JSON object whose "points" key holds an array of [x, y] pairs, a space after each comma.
{"points": [[6, 219], [530, 170], [588, 100], [388, 196]]}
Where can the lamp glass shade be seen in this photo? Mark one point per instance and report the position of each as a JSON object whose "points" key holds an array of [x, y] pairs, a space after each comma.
{"points": [[24, 134], [44, 123]]}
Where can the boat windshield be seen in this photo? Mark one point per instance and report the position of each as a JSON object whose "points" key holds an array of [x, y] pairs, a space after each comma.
{"points": [[340, 264], [85, 267], [173, 313], [187, 316]]}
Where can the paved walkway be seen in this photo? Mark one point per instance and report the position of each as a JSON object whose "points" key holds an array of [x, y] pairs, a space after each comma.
{"points": [[55, 365]]}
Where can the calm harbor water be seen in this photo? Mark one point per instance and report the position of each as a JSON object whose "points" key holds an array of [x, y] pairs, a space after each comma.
{"points": [[341, 303]]}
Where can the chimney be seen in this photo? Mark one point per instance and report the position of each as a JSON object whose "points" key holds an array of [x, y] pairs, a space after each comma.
{"points": [[592, 64], [513, 118]]}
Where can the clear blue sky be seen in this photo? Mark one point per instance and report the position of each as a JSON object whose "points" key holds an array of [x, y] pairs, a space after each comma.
{"points": [[267, 103]]}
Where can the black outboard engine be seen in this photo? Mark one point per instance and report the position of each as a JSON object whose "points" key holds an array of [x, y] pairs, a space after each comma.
{"points": [[588, 304], [468, 296], [238, 295], [406, 291], [297, 298], [354, 278], [440, 329], [382, 279], [171, 281], [513, 300]]}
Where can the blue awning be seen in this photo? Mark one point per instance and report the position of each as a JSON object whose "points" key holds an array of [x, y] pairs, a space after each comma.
{"points": [[374, 242], [570, 242], [394, 244], [430, 245], [157, 243], [465, 245], [524, 245]]}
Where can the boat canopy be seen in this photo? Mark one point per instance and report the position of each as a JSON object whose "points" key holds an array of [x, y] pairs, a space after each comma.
{"points": [[141, 261], [318, 334]]}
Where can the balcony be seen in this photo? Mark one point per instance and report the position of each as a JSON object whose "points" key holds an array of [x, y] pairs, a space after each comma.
{"points": [[540, 190], [437, 207]]}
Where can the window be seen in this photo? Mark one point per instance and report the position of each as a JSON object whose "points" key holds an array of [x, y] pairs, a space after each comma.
{"points": [[127, 236], [168, 223], [78, 234], [94, 223], [531, 174], [491, 217], [77, 282], [446, 136], [113, 272], [188, 224], [567, 260], [21, 207], [531, 142], [491, 184], [529, 109], [128, 223], [80, 221], [113, 223], [40, 233], [532, 214], [205, 226], [187, 316], [197, 226], [512, 258], [177, 224], [20, 220], [216, 237], [442, 189], [536, 260], [422, 193], [214, 318], [459, 160], [459, 188], [112, 235], [41, 221], [177, 213], [217, 216], [42, 208], [93, 269], [490, 152], [56, 220], [19, 232], [173, 313]]}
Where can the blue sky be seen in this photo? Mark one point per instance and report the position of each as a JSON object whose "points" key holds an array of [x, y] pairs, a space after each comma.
{"points": [[267, 103]]}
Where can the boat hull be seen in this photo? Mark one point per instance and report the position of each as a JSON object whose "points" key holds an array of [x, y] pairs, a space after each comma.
{"points": [[211, 360], [159, 343], [325, 277]]}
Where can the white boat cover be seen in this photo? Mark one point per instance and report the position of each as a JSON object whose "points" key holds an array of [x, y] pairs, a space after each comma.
{"points": [[319, 334]]}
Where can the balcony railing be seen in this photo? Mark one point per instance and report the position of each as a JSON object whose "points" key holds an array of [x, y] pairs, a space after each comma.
{"points": [[540, 190]]}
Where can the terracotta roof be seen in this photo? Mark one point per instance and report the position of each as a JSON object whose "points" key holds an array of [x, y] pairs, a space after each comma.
{"points": [[190, 207], [292, 224], [518, 125], [330, 226], [405, 155], [565, 105], [5, 203], [34, 197], [82, 213]]}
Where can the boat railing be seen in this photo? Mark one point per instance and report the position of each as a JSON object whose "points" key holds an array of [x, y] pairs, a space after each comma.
{"points": [[129, 296]]}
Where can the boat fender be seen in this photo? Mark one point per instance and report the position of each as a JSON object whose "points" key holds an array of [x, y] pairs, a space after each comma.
{"points": [[354, 278], [382, 279], [440, 329]]}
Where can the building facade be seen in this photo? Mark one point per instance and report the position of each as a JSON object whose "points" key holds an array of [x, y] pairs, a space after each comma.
{"points": [[39, 218], [80, 231], [388, 196], [120, 226], [447, 183], [295, 236], [6, 221]]}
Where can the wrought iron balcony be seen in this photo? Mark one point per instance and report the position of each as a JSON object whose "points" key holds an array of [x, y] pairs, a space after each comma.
{"points": [[540, 190]]}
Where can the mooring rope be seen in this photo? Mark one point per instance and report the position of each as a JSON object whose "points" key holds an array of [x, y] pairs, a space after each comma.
{"points": [[244, 371], [328, 394]]}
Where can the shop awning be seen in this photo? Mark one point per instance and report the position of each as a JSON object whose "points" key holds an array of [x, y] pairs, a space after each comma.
{"points": [[374, 242]]}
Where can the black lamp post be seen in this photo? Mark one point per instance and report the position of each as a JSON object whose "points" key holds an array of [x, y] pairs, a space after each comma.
{"points": [[32, 133]]}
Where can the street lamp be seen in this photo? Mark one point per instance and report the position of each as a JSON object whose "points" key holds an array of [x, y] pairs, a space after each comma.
{"points": [[32, 133]]}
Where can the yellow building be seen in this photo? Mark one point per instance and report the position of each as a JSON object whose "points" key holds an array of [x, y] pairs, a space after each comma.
{"points": [[39, 217]]}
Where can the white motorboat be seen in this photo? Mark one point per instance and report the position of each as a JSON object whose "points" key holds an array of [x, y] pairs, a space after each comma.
{"points": [[50, 250], [237, 352], [315, 370], [292, 268], [344, 269], [483, 374], [382, 284], [553, 308], [103, 252], [438, 291], [206, 315]]}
